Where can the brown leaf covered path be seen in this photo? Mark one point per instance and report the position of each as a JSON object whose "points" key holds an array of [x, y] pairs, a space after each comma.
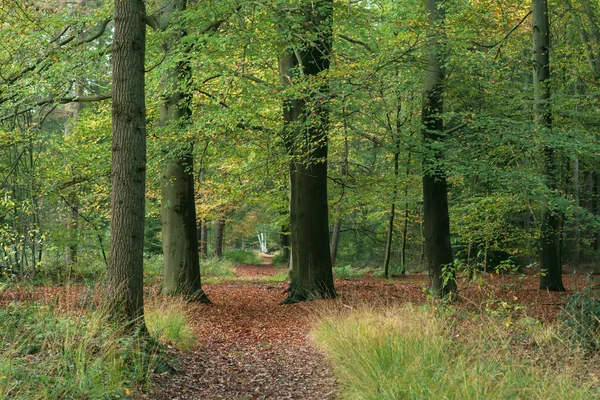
{"points": [[250, 347]]}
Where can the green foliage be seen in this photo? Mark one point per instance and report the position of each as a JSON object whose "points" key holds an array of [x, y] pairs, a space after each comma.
{"points": [[47, 355], [166, 319], [347, 272], [242, 256], [279, 261], [408, 353], [213, 267], [581, 319], [153, 269]]}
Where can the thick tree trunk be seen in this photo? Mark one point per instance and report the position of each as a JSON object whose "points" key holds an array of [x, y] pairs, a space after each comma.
{"points": [[125, 295], [220, 230], [438, 248], [307, 121], [178, 214], [550, 263], [181, 274]]}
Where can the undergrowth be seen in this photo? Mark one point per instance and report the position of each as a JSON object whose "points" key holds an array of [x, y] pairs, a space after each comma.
{"points": [[216, 268], [242, 256], [46, 355], [348, 272], [167, 321], [414, 352]]}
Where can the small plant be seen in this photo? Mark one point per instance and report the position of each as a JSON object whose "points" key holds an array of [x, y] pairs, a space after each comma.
{"points": [[216, 268], [581, 318], [167, 321], [347, 272]]}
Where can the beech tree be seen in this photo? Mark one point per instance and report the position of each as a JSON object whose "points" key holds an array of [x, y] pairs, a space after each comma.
{"points": [[181, 274], [550, 262], [306, 128], [435, 189], [125, 267]]}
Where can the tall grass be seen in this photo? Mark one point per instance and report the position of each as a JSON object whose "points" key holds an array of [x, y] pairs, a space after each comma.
{"points": [[167, 320], [216, 268], [50, 356], [410, 352]]}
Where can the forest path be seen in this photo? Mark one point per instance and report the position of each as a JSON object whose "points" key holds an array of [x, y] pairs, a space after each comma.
{"points": [[250, 347]]}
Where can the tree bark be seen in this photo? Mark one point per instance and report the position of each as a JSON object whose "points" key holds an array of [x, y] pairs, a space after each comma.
{"points": [[204, 239], [125, 295], [219, 237], [307, 121], [390, 233], [181, 274], [438, 248], [550, 263], [180, 244]]}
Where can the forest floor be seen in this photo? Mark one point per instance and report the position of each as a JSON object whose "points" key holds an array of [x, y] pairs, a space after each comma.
{"points": [[250, 347]]}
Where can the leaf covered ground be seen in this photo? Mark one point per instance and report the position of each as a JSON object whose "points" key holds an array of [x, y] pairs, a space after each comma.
{"points": [[250, 347]]}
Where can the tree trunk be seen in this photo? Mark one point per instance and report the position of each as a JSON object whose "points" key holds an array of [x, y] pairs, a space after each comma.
{"points": [[550, 263], [181, 274], [125, 267], [335, 235], [284, 237], [204, 239], [307, 121], [180, 244], [219, 237], [438, 248], [390, 233]]}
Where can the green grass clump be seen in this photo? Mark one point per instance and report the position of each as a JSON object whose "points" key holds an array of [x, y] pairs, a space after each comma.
{"points": [[216, 268], [167, 321], [347, 272], [411, 353], [50, 356], [243, 256]]}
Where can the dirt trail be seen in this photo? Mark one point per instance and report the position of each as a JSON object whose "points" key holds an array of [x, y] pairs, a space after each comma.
{"points": [[250, 347]]}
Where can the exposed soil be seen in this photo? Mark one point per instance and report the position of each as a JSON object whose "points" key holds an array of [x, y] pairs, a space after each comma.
{"points": [[250, 347]]}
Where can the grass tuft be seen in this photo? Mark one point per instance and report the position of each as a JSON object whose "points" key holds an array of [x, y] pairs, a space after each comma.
{"points": [[49, 356], [214, 267], [167, 320], [414, 352]]}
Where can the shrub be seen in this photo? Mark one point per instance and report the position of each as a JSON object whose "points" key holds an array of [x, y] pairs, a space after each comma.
{"points": [[242, 257]]}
